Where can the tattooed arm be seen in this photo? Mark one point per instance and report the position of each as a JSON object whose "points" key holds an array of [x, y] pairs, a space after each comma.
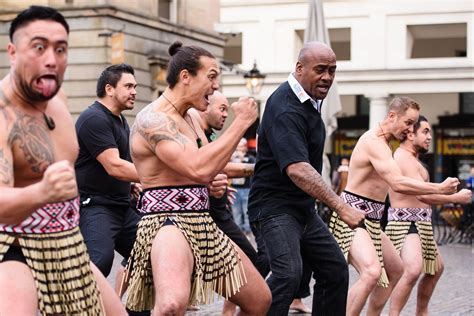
{"points": [[180, 154], [309, 180]]}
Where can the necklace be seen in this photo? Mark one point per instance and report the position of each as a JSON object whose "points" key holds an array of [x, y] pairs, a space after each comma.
{"points": [[198, 139], [385, 137], [47, 119]]}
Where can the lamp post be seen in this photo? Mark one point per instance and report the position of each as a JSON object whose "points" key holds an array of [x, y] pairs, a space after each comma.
{"points": [[254, 80]]}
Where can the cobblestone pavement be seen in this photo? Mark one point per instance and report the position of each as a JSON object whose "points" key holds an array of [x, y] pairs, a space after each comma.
{"points": [[454, 294]]}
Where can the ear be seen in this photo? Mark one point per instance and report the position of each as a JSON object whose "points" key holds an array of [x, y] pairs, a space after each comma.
{"points": [[109, 90], [392, 116], [11, 51], [298, 67], [184, 76]]}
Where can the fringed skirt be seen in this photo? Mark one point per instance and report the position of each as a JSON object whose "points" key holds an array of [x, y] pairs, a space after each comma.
{"points": [[217, 265], [400, 220], [344, 234], [61, 268]]}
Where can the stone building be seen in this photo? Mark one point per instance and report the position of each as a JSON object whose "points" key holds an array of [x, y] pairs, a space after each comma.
{"points": [[148, 28]]}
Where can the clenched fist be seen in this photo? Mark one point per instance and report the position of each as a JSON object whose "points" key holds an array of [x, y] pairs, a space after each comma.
{"points": [[218, 186], [245, 109], [59, 182], [351, 216], [449, 186], [464, 196]]}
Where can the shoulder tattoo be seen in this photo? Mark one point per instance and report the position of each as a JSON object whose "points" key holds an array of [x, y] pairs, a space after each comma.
{"points": [[155, 127]]}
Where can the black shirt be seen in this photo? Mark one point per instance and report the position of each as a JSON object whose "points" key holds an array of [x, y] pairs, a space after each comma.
{"points": [[99, 129], [218, 206], [290, 132]]}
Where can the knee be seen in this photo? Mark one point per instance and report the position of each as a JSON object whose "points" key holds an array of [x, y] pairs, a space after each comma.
{"points": [[264, 302], [411, 275], [171, 307], [370, 275]]}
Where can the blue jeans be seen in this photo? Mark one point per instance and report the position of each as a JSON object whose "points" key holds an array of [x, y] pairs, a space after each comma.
{"points": [[289, 241], [239, 209]]}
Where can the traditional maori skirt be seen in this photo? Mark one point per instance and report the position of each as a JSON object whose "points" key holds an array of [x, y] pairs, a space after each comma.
{"points": [[399, 222], [344, 234], [55, 252], [217, 265]]}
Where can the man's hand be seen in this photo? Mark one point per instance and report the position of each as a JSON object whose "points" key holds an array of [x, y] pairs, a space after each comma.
{"points": [[351, 216], [245, 109], [136, 189], [218, 186], [464, 196], [449, 186], [59, 182]]}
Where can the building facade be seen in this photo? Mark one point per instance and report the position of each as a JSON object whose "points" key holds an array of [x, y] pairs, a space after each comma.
{"points": [[136, 32], [418, 48]]}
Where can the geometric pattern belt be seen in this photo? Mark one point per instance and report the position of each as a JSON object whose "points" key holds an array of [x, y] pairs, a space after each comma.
{"points": [[409, 214], [373, 209], [174, 199], [51, 218]]}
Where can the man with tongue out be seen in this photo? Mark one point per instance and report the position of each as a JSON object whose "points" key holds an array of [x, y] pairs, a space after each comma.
{"points": [[44, 265]]}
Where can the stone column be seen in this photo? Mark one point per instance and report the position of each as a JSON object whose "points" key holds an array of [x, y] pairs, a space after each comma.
{"points": [[378, 108]]}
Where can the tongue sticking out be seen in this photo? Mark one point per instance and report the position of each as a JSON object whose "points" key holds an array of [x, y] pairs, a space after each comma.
{"points": [[47, 86]]}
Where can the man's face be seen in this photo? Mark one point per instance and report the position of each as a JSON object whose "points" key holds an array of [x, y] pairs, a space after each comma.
{"points": [[422, 138], [203, 85], [316, 73], [217, 111], [402, 124], [125, 91], [38, 57]]}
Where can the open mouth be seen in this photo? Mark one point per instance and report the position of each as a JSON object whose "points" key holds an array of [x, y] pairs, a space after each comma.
{"points": [[47, 84]]}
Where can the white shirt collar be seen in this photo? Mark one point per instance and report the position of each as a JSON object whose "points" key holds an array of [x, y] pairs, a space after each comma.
{"points": [[301, 94]]}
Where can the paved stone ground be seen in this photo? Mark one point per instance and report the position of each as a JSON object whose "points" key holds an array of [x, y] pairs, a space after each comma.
{"points": [[454, 294]]}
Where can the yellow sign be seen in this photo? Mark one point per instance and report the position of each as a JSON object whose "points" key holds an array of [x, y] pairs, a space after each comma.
{"points": [[118, 48], [458, 146]]}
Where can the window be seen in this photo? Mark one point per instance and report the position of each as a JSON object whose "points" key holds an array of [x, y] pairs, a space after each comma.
{"points": [[166, 9], [362, 105], [233, 48], [437, 40], [466, 103], [341, 42]]}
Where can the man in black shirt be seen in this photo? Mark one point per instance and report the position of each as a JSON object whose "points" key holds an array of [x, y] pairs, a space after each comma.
{"points": [[286, 182], [104, 170]]}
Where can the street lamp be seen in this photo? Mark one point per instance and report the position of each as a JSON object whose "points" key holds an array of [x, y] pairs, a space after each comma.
{"points": [[254, 80]]}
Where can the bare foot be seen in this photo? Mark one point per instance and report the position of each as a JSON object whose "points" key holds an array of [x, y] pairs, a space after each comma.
{"points": [[297, 306]]}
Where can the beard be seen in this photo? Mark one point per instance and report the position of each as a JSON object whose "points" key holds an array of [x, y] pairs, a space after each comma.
{"points": [[421, 150], [34, 96]]}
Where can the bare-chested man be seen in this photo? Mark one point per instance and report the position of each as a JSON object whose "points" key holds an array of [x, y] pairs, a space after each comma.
{"points": [[409, 226], [44, 265], [180, 256], [372, 172]]}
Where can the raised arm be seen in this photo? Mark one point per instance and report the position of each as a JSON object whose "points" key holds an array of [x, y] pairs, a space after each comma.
{"points": [[381, 159], [461, 197], [181, 155]]}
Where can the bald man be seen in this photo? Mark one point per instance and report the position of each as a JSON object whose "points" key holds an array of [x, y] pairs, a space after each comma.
{"points": [[287, 181]]}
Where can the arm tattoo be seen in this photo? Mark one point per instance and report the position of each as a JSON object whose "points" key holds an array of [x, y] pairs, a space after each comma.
{"points": [[310, 181], [6, 170], [155, 127]]}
